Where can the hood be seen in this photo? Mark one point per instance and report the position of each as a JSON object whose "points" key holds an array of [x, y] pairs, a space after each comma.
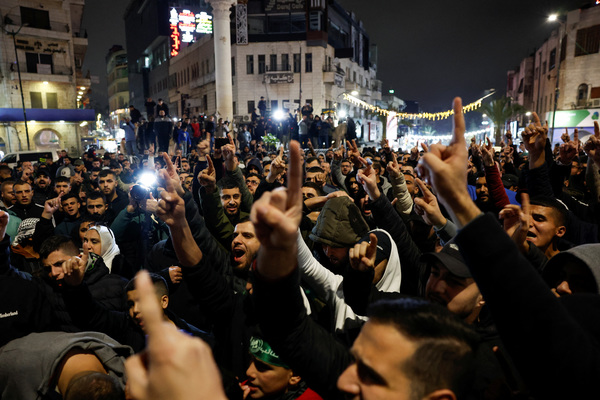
{"points": [[256, 162], [392, 277], [340, 224], [589, 254]]}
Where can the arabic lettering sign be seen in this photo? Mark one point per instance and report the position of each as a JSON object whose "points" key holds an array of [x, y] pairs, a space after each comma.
{"points": [[186, 26]]}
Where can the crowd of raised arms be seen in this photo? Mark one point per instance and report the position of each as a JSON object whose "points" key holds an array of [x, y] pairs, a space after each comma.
{"points": [[215, 269]]}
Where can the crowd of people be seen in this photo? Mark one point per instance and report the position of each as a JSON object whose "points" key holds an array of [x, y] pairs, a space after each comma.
{"points": [[240, 272]]}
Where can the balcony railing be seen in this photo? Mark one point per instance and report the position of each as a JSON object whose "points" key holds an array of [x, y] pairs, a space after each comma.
{"points": [[14, 19]]}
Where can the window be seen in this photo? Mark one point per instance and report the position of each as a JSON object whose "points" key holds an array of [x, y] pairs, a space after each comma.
{"points": [[251, 106], [39, 63], [285, 62], [205, 102], [249, 65], [261, 64], [274, 105], [232, 66], [308, 61], [273, 62], [51, 100], [297, 62], [588, 41], [544, 67], [234, 108], [552, 59], [582, 94], [36, 99], [35, 18]]}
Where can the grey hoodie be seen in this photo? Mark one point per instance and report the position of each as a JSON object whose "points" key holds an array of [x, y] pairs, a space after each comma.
{"points": [[589, 254], [27, 364]]}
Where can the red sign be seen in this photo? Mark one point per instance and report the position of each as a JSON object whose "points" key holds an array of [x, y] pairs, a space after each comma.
{"points": [[175, 41]]}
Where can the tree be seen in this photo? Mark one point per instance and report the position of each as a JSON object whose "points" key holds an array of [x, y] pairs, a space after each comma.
{"points": [[428, 130], [501, 111]]}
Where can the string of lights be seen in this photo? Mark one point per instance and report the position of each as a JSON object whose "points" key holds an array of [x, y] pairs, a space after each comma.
{"points": [[430, 116]]}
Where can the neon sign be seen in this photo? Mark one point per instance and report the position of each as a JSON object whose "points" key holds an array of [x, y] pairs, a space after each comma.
{"points": [[186, 26]]}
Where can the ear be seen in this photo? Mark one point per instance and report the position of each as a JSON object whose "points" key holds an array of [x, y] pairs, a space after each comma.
{"points": [[560, 231], [164, 301], [441, 394], [294, 380]]}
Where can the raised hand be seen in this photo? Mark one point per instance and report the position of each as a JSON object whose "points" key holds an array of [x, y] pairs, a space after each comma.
{"points": [[51, 206], [353, 153], [367, 177], [175, 274], [592, 146], [428, 207], [171, 207], [208, 177], [487, 153], [445, 167], [277, 167], [172, 175], [516, 222], [3, 223], [276, 217], [204, 146], [229, 154], [338, 154], [362, 255], [393, 167], [175, 365], [534, 137], [567, 152], [74, 268]]}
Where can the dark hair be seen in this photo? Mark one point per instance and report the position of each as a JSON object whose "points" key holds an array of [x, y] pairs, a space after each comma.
{"points": [[6, 183], [90, 385], [160, 284], [20, 182], [70, 195], [62, 179], [254, 174], [95, 196], [559, 212], [444, 356], [315, 169], [314, 186], [105, 172], [58, 242], [5, 168], [310, 159], [227, 183]]}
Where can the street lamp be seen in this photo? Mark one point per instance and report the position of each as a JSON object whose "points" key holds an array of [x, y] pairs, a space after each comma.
{"points": [[554, 18], [14, 34]]}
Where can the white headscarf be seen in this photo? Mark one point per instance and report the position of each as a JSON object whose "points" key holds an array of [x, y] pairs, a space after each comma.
{"points": [[109, 246]]}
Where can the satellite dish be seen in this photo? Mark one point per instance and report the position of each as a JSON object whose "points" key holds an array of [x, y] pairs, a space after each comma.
{"points": [[246, 118]]}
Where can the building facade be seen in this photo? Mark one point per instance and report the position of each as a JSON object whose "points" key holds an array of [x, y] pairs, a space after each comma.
{"points": [[118, 82], [571, 55], [290, 53], [50, 48]]}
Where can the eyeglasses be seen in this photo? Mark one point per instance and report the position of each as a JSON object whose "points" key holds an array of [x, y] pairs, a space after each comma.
{"points": [[253, 183]]}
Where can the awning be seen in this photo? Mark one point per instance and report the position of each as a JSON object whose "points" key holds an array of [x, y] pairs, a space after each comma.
{"points": [[46, 114]]}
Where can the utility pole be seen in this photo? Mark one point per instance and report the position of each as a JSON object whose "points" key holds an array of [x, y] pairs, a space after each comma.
{"points": [[14, 34]]}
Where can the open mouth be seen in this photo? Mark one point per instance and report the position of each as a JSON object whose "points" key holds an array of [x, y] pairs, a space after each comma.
{"points": [[238, 254]]}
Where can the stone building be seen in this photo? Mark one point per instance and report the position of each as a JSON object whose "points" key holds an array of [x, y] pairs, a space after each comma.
{"points": [[50, 47], [571, 54]]}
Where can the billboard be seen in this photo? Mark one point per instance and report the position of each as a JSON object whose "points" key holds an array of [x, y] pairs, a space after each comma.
{"points": [[186, 27]]}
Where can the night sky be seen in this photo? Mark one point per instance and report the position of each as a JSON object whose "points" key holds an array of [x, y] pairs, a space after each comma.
{"points": [[428, 51]]}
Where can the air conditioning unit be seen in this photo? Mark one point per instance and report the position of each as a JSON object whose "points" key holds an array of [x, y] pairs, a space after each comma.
{"points": [[246, 118], [596, 103]]}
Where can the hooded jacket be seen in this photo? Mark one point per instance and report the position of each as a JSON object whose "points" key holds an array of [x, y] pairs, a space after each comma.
{"points": [[28, 364], [589, 254], [340, 224]]}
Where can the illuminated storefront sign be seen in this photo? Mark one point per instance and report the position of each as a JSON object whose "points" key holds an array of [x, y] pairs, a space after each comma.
{"points": [[186, 26]]}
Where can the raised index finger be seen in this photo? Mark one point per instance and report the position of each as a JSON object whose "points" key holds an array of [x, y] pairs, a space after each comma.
{"points": [[536, 119], [211, 166], [294, 194], [152, 314], [459, 123], [168, 162], [281, 151], [372, 249], [596, 129]]}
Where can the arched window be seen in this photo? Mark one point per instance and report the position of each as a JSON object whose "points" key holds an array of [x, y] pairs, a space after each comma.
{"points": [[582, 95], [46, 139]]}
